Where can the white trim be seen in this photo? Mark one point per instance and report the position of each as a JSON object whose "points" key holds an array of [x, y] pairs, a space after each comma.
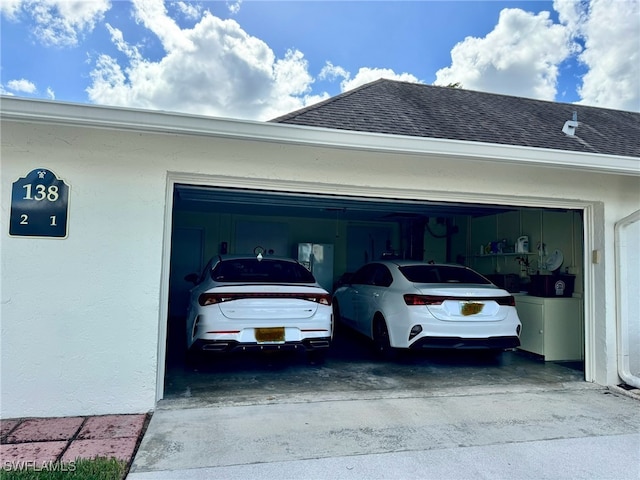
{"points": [[164, 289], [40, 111], [590, 293], [174, 178], [622, 320]]}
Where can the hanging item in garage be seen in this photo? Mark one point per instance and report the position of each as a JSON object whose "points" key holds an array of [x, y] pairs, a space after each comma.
{"points": [[39, 205]]}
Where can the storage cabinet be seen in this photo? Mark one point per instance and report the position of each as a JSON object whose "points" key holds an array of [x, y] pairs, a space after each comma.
{"points": [[551, 327]]}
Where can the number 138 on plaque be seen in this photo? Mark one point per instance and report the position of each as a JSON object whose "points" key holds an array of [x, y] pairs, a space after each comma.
{"points": [[39, 205]]}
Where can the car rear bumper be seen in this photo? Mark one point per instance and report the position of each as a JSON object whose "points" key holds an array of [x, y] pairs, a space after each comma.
{"points": [[493, 343], [227, 346]]}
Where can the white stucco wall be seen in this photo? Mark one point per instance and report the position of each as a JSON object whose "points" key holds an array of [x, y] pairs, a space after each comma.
{"points": [[81, 316]]}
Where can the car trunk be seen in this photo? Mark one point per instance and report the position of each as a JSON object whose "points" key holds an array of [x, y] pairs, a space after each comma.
{"points": [[465, 303], [276, 301]]}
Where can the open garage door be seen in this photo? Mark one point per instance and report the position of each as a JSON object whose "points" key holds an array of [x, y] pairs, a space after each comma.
{"points": [[485, 237]]}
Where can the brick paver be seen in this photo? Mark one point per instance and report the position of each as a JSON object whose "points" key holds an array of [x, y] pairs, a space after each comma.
{"points": [[38, 452], [37, 441], [120, 448], [6, 426], [46, 429], [112, 426]]}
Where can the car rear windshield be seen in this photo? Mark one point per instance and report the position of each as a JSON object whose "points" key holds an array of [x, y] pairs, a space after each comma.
{"points": [[441, 274], [264, 271]]}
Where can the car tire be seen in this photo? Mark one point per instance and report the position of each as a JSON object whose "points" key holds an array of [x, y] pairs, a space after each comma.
{"points": [[381, 341], [336, 312], [338, 324]]}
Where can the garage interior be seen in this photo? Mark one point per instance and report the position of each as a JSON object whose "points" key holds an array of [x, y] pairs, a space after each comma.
{"points": [[207, 221]]}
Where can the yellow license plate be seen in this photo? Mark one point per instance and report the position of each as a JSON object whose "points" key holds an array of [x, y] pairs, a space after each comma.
{"points": [[270, 335], [471, 308]]}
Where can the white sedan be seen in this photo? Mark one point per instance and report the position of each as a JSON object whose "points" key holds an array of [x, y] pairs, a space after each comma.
{"points": [[415, 305], [255, 303]]}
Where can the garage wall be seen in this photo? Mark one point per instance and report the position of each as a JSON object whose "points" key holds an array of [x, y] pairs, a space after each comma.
{"points": [[556, 230], [435, 242], [81, 316], [220, 228]]}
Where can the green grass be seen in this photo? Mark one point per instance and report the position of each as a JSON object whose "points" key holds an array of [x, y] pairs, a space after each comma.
{"points": [[83, 469]]}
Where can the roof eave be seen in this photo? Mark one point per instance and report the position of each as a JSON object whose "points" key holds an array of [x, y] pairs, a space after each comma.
{"points": [[59, 113]]}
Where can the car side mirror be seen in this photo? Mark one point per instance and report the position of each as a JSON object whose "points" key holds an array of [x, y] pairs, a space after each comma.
{"points": [[192, 277]]}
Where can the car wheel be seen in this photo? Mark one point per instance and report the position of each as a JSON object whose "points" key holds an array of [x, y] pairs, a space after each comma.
{"points": [[381, 339], [338, 325], [336, 311]]}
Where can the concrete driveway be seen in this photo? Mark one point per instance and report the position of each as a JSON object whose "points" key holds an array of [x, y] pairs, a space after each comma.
{"points": [[429, 415]]}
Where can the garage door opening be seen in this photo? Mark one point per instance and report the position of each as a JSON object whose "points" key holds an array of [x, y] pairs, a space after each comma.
{"points": [[524, 249]]}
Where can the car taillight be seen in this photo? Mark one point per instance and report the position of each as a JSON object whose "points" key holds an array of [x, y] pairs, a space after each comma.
{"points": [[509, 301], [413, 299], [323, 299], [213, 298]]}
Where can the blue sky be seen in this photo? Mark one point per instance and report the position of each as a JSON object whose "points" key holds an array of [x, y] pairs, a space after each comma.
{"points": [[260, 59]]}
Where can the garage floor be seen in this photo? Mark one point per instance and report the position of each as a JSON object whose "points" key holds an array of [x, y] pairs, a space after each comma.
{"points": [[427, 415], [351, 366]]}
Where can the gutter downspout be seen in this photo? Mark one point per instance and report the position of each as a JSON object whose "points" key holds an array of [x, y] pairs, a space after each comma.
{"points": [[623, 246]]}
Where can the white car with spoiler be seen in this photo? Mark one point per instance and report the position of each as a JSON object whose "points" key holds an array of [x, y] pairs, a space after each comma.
{"points": [[258, 303], [415, 305]]}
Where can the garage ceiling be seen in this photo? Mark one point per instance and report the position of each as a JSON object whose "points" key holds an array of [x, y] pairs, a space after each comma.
{"points": [[270, 203]]}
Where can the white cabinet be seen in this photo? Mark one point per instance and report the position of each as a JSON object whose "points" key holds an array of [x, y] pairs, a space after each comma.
{"points": [[551, 327], [532, 334]]}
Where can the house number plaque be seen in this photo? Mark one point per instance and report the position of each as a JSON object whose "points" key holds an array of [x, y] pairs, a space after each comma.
{"points": [[39, 205]]}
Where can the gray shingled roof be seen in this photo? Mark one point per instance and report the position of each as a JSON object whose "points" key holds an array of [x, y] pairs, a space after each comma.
{"points": [[401, 108]]}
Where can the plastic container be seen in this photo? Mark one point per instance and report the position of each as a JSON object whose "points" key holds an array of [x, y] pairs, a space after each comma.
{"points": [[552, 285], [522, 244]]}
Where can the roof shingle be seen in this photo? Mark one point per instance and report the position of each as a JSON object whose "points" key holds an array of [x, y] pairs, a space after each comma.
{"points": [[402, 108]]}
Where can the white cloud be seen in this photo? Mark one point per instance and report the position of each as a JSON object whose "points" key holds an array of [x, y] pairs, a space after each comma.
{"points": [[523, 54], [366, 75], [118, 40], [234, 6], [191, 11], [611, 33], [10, 8], [51, 95], [217, 68], [519, 57], [214, 68], [331, 72], [22, 86], [58, 22], [571, 13]]}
